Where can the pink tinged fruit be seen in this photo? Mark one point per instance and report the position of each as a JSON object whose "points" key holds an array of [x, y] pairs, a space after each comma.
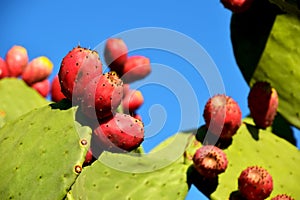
{"points": [[115, 54], [237, 6], [135, 68], [3, 68], [42, 87], [210, 161], [88, 157], [132, 101], [102, 96], [120, 131], [37, 70], [16, 59], [255, 183], [56, 94], [222, 116], [77, 69], [263, 104]]}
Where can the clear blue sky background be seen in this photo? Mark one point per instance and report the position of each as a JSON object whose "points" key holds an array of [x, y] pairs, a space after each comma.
{"points": [[52, 28]]}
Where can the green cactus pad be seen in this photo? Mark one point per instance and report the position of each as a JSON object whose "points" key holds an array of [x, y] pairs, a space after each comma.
{"points": [[289, 6], [280, 63], [252, 146], [41, 153], [17, 98], [100, 181]]}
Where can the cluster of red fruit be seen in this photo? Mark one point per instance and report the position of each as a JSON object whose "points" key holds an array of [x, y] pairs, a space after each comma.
{"points": [[34, 73], [99, 95], [223, 118]]}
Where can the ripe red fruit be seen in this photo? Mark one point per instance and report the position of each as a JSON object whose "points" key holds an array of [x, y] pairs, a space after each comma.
{"points": [[115, 54], [16, 59], [222, 116], [37, 70], [132, 101], [102, 96], [135, 68], [282, 197], [210, 161], [88, 157], [263, 104], [122, 131], [3, 68], [77, 69], [56, 94], [42, 87], [255, 183], [237, 6]]}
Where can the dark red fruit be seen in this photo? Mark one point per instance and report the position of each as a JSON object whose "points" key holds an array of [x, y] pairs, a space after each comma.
{"points": [[135, 68], [37, 70], [222, 116], [115, 54], [237, 6], [102, 96], [263, 104], [42, 87], [16, 59], [210, 161], [56, 94], [77, 69], [255, 183], [121, 131], [3, 69]]}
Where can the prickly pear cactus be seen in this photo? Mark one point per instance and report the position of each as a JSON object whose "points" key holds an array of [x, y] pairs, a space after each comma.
{"points": [[41, 154], [17, 98], [102, 181]]}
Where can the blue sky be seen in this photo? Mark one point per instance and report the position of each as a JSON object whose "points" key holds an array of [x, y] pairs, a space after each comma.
{"points": [[52, 28]]}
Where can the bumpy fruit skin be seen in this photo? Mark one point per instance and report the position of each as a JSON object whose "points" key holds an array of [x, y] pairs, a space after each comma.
{"points": [[135, 68], [222, 116], [210, 161], [255, 183], [132, 101], [237, 6], [263, 104], [282, 197], [115, 54], [121, 131], [102, 96], [37, 70], [56, 94], [42, 87], [3, 68], [16, 59], [77, 69]]}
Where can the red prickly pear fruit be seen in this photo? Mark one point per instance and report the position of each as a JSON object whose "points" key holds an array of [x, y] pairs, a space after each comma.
{"points": [[88, 157], [77, 69], [237, 6], [222, 116], [132, 101], [135, 68], [282, 197], [56, 94], [16, 59], [3, 68], [210, 161], [103, 96], [115, 54], [263, 104], [42, 87], [255, 183], [120, 131], [137, 116], [37, 70]]}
